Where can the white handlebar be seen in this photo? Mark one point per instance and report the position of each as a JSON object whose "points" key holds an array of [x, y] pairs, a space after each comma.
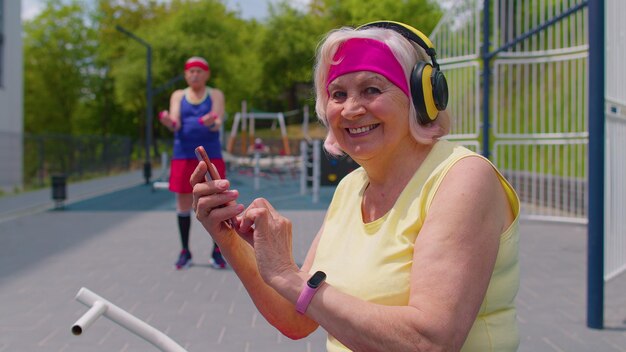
{"points": [[100, 306]]}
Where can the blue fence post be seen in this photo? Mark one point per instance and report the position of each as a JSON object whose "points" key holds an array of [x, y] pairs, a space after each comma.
{"points": [[486, 76], [595, 229]]}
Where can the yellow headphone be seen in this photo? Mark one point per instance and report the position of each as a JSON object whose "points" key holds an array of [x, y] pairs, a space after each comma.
{"points": [[429, 88]]}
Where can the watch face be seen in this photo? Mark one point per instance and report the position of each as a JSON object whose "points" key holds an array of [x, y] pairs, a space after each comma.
{"points": [[316, 280]]}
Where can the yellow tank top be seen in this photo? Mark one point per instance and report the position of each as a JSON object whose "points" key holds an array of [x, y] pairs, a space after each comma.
{"points": [[373, 260]]}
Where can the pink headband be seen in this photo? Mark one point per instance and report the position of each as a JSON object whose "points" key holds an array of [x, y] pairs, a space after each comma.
{"points": [[196, 63], [362, 54]]}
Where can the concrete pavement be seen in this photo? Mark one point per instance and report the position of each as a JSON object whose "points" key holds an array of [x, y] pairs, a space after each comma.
{"points": [[119, 239]]}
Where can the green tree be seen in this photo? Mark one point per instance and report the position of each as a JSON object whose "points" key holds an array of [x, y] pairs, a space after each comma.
{"points": [[122, 62], [287, 53], [292, 37], [421, 14], [175, 31], [84, 76], [58, 54]]}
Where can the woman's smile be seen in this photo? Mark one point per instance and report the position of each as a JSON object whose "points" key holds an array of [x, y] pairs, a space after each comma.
{"points": [[360, 131]]}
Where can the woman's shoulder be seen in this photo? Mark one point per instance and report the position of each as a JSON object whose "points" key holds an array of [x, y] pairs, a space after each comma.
{"points": [[353, 181], [178, 94], [214, 91], [454, 156]]}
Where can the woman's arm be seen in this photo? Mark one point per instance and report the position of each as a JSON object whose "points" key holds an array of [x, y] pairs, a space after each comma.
{"points": [[214, 118], [217, 96], [454, 258], [174, 113], [208, 197]]}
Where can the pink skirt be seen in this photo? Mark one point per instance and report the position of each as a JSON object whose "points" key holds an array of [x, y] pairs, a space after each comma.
{"points": [[181, 170]]}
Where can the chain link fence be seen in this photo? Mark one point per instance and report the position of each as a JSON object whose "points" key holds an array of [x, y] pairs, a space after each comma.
{"points": [[76, 157]]}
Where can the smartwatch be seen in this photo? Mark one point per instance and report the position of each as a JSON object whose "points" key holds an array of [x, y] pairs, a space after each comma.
{"points": [[309, 290]]}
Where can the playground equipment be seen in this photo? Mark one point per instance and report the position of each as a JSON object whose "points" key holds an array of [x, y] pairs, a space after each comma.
{"points": [[247, 121], [257, 159], [310, 154], [100, 306], [162, 181]]}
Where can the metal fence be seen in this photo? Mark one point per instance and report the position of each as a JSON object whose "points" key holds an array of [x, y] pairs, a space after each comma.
{"points": [[615, 147], [615, 194], [539, 106], [457, 41], [73, 156], [537, 102]]}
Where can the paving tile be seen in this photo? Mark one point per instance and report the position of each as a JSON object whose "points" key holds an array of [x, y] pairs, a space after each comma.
{"points": [[119, 239]]}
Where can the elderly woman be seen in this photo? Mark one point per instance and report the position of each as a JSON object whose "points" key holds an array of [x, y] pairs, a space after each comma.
{"points": [[418, 250]]}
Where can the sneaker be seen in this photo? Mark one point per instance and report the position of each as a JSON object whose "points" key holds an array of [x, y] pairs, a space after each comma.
{"points": [[184, 260], [217, 261]]}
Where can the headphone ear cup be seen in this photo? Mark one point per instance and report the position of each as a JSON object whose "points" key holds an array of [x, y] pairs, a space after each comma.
{"points": [[429, 88], [422, 93], [440, 90]]}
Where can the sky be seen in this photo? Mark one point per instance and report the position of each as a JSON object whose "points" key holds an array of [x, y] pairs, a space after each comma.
{"points": [[30, 8], [249, 8]]}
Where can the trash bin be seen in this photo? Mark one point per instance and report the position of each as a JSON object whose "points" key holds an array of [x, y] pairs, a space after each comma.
{"points": [[59, 189]]}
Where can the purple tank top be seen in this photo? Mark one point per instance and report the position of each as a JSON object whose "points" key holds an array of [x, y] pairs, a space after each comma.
{"points": [[192, 134]]}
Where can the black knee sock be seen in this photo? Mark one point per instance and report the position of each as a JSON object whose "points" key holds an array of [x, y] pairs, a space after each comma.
{"points": [[217, 254], [184, 223]]}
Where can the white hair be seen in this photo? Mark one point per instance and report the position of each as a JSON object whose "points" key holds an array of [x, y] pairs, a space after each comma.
{"points": [[406, 52]]}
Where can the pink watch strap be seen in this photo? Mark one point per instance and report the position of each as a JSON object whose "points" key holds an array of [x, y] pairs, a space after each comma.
{"points": [[308, 291], [305, 298]]}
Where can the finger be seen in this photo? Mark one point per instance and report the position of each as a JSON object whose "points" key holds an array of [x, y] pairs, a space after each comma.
{"points": [[268, 205], [271, 220], [219, 214], [257, 212], [264, 203], [214, 194], [251, 216], [248, 236], [207, 197], [210, 189], [244, 224], [198, 174]]}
